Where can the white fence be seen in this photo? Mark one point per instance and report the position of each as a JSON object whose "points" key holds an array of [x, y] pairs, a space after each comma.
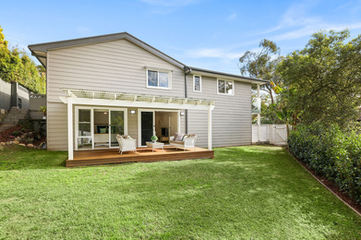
{"points": [[275, 134]]}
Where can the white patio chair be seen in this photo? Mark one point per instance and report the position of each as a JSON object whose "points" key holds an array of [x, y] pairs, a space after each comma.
{"points": [[126, 143]]}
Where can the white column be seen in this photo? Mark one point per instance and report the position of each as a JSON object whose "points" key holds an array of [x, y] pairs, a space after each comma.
{"points": [[210, 128], [258, 114], [258, 105], [179, 122], [70, 130]]}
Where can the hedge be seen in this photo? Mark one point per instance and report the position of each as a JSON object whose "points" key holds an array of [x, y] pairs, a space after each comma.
{"points": [[331, 153]]}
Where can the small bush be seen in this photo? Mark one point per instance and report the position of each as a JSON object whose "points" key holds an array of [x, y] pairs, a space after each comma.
{"points": [[16, 133], [25, 124], [332, 153]]}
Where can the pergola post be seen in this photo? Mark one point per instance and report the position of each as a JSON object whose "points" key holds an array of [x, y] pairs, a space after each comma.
{"points": [[258, 114], [210, 128], [70, 129]]}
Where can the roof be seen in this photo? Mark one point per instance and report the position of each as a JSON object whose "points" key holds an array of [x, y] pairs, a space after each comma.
{"points": [[40, 52], [220, 74]]}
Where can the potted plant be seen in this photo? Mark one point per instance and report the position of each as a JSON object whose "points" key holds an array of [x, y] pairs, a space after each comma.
{"points": [[154, 138]]}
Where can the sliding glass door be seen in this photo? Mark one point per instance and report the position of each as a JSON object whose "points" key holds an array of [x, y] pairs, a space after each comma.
{"points": [[97, 128], [101, 128], [84, 133], [116, 126]]}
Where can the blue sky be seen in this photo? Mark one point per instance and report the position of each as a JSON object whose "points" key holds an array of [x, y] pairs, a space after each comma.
{"points": [[203, 33]]}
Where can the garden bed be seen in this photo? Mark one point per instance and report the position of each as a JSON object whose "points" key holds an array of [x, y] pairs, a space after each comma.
{"points": [[332, 187], [24, 135]]}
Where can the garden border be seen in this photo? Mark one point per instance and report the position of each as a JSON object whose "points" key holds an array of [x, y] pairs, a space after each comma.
{"points": [[339, 195]]}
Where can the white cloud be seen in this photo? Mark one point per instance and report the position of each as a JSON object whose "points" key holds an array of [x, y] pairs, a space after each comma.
{"points": [[213, 53], [231, 17], [310, 29], [294, 16], [220, 53], [296, 23]]}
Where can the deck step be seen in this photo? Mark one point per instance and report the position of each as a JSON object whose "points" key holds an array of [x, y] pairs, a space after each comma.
{"points": [[113, 157]]}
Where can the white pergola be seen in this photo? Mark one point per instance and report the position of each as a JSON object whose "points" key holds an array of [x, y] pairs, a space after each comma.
{"points": [[117, 99]]}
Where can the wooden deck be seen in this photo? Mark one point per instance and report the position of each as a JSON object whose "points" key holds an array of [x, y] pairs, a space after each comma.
{"points": [[111, 156]]}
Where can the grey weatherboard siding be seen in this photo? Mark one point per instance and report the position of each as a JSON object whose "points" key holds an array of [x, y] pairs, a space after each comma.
{"points": [[232, 121], [120, 65], [110, 66]]}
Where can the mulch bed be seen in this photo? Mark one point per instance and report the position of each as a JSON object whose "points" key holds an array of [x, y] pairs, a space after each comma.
{"points": [[6, 135], [332, 187]]}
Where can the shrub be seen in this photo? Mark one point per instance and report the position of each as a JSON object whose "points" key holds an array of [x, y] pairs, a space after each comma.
{"points": [[26, 124], [16, 133], [332, 153]]}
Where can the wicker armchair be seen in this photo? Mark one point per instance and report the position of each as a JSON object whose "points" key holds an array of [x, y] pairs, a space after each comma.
{"points": [[126, 143]]}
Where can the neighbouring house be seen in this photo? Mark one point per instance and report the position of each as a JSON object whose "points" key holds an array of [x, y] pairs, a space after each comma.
{"points": [[98, 87], [13, 94], [16, 102]]}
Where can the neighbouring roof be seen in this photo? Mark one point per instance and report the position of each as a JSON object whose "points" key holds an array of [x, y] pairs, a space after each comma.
{"points": [[40, 52]]}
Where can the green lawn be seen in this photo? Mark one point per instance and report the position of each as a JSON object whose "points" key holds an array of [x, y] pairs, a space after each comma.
{"points": [[243, 193]]}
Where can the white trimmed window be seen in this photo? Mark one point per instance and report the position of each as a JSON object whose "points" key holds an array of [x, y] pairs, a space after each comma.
{"points": [[197, 83], [158, 79], [225, 87]]}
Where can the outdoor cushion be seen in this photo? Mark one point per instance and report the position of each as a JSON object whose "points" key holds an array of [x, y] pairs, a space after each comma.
{"points": [[179, 137]]}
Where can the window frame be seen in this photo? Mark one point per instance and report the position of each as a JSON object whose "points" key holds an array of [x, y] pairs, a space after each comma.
{"points": [[158, 71], [200, 83], [225, 80]]}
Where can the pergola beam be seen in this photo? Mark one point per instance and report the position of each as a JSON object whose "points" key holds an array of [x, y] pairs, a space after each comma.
{"points": [[118, 103], [135, 97]]}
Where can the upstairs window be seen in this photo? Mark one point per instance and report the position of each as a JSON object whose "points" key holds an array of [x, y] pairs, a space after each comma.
{"points": [[225, 87], [158, 79], [197, 83]]}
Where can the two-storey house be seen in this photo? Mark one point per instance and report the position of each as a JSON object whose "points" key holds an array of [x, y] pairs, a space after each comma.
{"points": [[98, 87]]}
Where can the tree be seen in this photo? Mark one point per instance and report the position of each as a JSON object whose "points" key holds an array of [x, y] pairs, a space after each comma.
{"points": [[17, 66], [262, 65], [323, 81], [268, 111]]}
